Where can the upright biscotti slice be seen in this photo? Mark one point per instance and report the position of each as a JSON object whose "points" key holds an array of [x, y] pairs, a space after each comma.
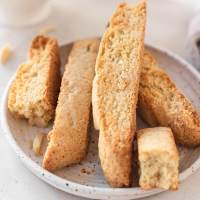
{"points": [[68, 139], [118, 69], [34, 91], [158, 158], [162, 104]]}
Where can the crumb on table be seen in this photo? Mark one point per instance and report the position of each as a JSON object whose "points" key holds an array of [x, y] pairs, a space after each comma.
{"points": [[5, 54]]}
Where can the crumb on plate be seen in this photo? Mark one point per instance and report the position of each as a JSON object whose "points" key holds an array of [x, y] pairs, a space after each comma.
{"points": [[37, 143]]}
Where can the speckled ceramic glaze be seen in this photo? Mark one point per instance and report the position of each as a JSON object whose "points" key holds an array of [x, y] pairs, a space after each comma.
{"points": [[86, 179]]}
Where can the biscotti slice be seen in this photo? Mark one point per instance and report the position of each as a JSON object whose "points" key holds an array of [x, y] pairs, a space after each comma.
{"points": [[68, 139], [118, 69], [158, 158], [162, 104], [34, 91]]}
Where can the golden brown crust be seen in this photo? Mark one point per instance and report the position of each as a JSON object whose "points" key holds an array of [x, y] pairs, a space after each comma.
{"points": [[162, 104], [171, 145], [117, 80], [68, 139], [158, 158], [33, 93]]}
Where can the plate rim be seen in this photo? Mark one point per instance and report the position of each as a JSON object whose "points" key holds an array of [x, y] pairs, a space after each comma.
{"points": [[80, 189]]}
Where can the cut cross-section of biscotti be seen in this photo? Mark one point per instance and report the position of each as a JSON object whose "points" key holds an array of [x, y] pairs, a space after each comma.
{"points": [[158, 158], [34, 91], [162, 104], [68, 139], [118, 69]]}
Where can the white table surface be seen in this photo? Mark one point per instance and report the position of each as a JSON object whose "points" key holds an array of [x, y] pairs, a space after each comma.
{"points": [[167, 28]]}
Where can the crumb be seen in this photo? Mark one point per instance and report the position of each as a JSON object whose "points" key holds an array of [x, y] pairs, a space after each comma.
{"points": [[83, 170], [47, 30], [87, 171], [5, 54]]}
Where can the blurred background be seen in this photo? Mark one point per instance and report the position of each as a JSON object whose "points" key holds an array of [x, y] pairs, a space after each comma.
{"points": [[20, 20]]}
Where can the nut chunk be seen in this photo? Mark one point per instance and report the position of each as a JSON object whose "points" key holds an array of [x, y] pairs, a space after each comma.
{"points": [[33, 93], [158, 158]]}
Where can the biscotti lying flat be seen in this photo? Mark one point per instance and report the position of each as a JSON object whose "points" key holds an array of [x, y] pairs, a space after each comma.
{"points": [[158, 158], [162, 104], [68, 139], [118, 69], [33, 93]]}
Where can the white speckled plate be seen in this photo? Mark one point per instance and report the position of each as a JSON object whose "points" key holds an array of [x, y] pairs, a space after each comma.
{"points": [[90, 182]]}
